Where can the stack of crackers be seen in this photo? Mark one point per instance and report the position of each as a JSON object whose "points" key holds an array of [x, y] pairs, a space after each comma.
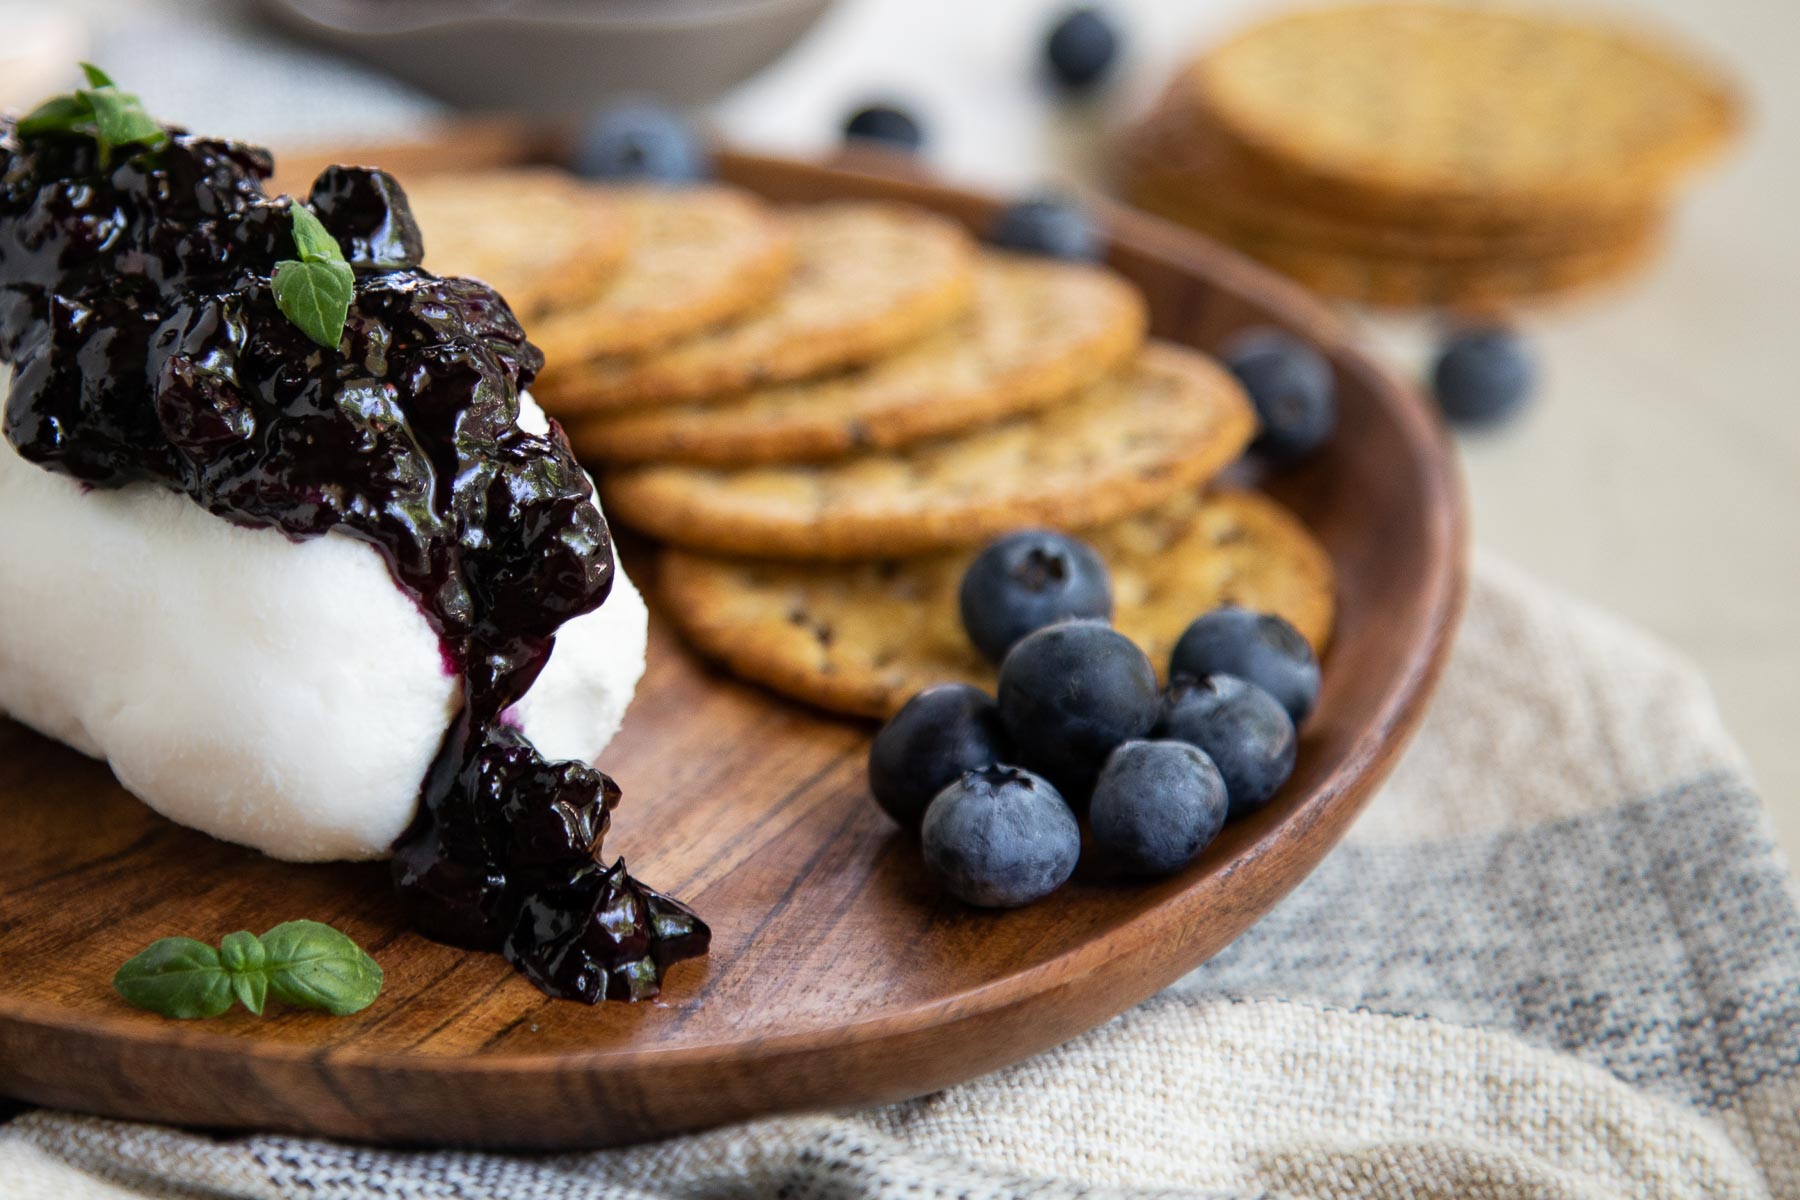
{"points": [[823, 412], [1417, 154]]}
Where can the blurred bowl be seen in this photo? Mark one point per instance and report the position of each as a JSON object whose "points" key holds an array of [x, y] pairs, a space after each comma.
{"points": [[556, 57]]}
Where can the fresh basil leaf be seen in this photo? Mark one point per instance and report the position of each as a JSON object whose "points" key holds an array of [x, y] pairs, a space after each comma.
{"points": [[316, 297], [314, 291], [59, 114], [313, 965], [120, 120], [311, 239], [101, 111], [176, 977], [244, 959]]}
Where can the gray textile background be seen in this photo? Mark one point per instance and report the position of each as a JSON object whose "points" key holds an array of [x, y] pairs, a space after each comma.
{"points": [[1558, 957]]}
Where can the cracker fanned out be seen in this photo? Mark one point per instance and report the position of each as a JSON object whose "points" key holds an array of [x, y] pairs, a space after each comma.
{"points": [[699, 256], [535, 235], [868, 278], [1163, 424], [1038, 331]]}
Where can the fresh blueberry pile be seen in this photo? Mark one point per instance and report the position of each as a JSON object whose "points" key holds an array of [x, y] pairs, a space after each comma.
{"points": [[994, 784]]}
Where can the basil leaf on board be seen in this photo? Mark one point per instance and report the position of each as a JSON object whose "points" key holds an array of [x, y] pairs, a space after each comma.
{"points": [[316, 297], [244, 959], [306, 963], [176, 977], [95, 76], [311, 239], [313, 965]]}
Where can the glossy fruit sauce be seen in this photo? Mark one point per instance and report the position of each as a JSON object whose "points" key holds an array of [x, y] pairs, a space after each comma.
{"points": [[136, 309]]}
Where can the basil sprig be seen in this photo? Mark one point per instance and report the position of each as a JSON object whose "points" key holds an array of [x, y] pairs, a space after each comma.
{"points": [[304, 963], [101, 111], [314, 290]]}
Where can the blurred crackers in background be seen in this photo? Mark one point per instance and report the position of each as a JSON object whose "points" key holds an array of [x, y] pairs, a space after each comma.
{"points": [[1413, 154]]}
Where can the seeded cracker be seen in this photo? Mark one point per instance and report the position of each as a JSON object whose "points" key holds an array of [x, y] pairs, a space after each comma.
{"points": [[536, 236], [1391, 107], [1160, 426], [868, 278], [862, 638], [1038, 332], [699, 257]]}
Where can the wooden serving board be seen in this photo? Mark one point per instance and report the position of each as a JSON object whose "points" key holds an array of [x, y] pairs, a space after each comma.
{"points": [[839, 976]]}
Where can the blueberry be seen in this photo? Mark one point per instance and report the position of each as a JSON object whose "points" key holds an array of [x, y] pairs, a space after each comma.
{"points": [[1157, 804], [1082, 48], [1242, 728], [927, 745], [1259, 647], [1049, 224], [1069, 694], [1291, 386], [1027, 580], [888, 124], [642, 142], [1000, 837], [1483, 375]]}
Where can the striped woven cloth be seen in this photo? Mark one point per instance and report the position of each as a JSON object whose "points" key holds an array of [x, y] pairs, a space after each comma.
{"points": [[1558, 957]]}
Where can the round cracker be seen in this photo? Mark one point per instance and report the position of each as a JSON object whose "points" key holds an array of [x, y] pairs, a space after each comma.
{"points": [[699, 256], [1172, 167], [1038, 331], [535, 235], [862, 638], [868, 278], [1479, 284], [1414, 104], [1166, 422]]}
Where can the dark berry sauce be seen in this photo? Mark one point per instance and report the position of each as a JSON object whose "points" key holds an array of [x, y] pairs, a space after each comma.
{"points": [[135, 307]]}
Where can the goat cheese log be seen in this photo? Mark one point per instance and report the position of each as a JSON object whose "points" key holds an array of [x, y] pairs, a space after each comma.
{"points": [[285, 541], [282, 694]]}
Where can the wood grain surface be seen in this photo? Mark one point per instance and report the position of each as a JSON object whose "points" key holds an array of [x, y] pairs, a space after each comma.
{"points": [[839, 976]]}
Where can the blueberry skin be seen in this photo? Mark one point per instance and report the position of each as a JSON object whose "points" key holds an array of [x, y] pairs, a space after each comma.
{"points": [[1069, 694], [1242, 728], [926, 746], [1291, 387], [1027, 580], [1051, 225], [645, 143], [888, 124], [1259, 647], [1000, 837], [1483, 376], [1081, 49], [1157, 804]]}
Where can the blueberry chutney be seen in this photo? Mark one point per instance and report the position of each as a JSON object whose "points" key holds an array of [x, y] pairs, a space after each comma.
{"points": [[137, 311]]}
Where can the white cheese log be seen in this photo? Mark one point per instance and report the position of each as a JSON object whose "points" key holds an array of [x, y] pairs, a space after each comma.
{"points": [[284, 695]]}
